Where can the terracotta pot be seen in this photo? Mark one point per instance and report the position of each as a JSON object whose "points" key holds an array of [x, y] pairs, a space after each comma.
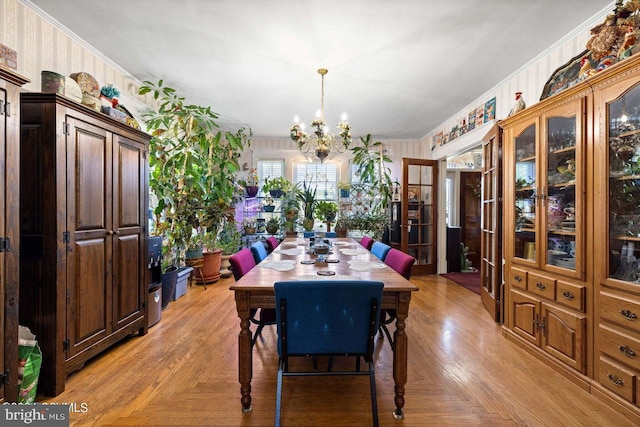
{"points": [[291, 233], [210, 267], [341, 232]]}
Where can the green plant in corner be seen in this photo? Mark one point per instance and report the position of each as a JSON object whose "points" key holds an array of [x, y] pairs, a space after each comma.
{"points": [[307, 198], [192, 168], [371, 161]]}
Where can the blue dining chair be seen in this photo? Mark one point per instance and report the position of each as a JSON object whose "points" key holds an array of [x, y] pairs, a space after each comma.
{"points": [[380, 250], [327, 318], [328, 234], [259, 251]]}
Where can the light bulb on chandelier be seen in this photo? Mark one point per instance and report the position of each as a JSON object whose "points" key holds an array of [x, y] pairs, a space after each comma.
{"points": [[321, 141]]}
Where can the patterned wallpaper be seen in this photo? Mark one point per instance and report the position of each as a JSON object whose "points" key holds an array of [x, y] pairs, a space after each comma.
{"points": [[43, 45]]}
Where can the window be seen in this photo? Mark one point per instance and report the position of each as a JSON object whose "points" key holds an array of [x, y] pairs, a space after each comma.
{"points": [[269, 169], [321, 176]]}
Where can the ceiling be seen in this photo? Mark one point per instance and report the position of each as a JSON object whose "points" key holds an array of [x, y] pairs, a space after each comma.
{"points": [[397, 68]]}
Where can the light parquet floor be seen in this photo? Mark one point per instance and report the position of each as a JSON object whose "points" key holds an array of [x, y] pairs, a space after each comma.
{"points": [[462, 372]]}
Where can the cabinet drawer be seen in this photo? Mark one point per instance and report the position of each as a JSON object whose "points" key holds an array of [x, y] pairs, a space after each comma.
{"points": [[518, 278], [618, 379], [541, 285], [620, 309], [570, 295], [623, 346]]}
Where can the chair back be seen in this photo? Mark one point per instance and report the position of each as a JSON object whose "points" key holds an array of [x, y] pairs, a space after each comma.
{"points": [[402, 263], [308, 234], [327, 317], [330, 235], [380, 250], [272, 243], [241, 262], [366, 241], [259, 251]]}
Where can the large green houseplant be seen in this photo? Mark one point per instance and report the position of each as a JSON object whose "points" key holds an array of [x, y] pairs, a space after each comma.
{"points": [[371, 163], [192, 169]]}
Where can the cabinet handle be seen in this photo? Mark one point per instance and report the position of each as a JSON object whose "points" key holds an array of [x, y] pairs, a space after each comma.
{"points": [[626, 350], [615, 380], [540, 286], [567, 295], [543, 326], [628, 314], [536, 323], [517, 278], [110, 232]]}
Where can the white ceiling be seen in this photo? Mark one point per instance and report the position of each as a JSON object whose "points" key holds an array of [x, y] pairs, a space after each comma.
{"points": [[397, 68]]}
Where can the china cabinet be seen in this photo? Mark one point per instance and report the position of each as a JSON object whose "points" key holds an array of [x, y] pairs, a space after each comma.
{"points": [[83, 217], [617, 228], [572, 233], [9, 231], [545, 228]]}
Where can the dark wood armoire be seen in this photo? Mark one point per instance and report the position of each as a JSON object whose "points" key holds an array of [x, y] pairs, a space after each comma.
{"points": [[83, 227]]}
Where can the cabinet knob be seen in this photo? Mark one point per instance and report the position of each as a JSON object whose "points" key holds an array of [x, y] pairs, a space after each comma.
{"points": [[110, 232], [540, 286], [627, 351], [517, 278], [615, 380], [567, 295], [628, 314]]}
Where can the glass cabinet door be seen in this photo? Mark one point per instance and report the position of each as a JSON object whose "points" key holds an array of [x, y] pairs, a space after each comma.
{"points": [[526, 195], [624, 186], [559, 193]]}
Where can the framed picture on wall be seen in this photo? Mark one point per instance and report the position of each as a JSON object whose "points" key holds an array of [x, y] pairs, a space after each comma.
{"points": [[413, 193]]}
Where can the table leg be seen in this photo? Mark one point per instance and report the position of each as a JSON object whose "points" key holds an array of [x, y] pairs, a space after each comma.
{"points": [[245, 359], [400, 353]]}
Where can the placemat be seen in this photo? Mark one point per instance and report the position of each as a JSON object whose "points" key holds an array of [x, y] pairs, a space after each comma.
{"points": [[292, 251], [318, 277], [283, 265], [356, 251], [365, 265]]}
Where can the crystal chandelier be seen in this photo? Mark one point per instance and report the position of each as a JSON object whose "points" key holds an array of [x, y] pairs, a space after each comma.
{"points": [[321, 141]]}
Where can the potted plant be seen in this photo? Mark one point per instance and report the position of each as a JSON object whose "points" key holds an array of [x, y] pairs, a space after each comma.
{"points": [[249, 225], [290, 219], [251, 183], [229, 241], [307, 198], [192, 168], [273, 225], [276, 187], [342, 226], [326, 211], [269, 204], [345, 189], [375, 175]]}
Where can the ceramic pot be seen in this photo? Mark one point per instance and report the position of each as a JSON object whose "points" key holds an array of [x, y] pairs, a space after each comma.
{"points": [[252, 190], [169, 279], [210, 267]]}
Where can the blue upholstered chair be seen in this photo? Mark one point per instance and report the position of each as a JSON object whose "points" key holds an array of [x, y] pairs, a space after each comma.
{"points": [[380, 250], [328, 234], [259, 251], [327, 318]]}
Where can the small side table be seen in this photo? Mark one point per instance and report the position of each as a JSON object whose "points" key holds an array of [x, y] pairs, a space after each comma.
{"points": [[197, 264]]}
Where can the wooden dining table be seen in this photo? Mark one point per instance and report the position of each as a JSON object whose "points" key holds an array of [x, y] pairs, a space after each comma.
{"points": [[256, 290]]}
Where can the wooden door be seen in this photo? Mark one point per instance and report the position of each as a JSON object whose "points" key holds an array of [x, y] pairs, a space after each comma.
{"points": [[89, 228], [492, 290], [129, 204], [419, 213], [470, 214]]}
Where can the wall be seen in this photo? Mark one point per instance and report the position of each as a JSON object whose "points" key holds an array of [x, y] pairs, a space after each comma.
{"points": [[43, 44]]}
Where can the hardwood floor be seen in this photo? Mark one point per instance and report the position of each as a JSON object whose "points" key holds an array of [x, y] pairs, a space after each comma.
{"points": [[462, 371]]}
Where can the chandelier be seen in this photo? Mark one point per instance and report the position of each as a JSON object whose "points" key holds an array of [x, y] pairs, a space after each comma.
{"points": [[321, 141]]}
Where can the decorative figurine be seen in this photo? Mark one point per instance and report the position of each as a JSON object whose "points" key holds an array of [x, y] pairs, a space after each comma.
{"points": [[519, 105]]}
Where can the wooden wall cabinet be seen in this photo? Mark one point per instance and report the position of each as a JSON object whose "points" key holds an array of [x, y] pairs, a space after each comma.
{"points": [[572, 233], [83, 229], [9, 230]]}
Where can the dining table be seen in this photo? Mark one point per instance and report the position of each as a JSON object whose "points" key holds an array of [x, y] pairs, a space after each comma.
{"points": [[294, 259]]}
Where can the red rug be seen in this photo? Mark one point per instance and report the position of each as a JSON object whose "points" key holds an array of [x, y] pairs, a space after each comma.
{"points": [[470, 281]]}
